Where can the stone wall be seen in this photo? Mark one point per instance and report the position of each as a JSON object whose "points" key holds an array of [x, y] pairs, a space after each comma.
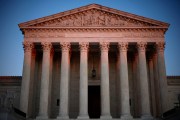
{"points": [[10, 88], [173, 90]]}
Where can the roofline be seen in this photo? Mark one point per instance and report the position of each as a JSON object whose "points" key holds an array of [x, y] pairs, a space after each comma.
{"points": [[97, 6], [173, 77], [156, 27], [7, 77]]}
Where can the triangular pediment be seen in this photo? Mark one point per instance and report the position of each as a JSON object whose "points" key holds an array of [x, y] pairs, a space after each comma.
{"points": [[93, 16]]}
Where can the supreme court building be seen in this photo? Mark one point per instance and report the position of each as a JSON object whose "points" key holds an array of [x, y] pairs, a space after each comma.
{"points": [[94, 62]]}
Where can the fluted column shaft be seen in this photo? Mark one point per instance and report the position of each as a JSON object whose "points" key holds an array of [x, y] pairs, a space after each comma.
{"points": [[32, 86], [64, 82], [26, 76], [151, 81], [144, 87], [45, 81], [157, 86], [105, 96], [162, 75], [124, 82], [136, 85], [83, 96]]}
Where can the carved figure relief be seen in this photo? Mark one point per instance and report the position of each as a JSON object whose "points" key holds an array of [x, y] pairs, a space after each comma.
{"points": [[93, 18]]}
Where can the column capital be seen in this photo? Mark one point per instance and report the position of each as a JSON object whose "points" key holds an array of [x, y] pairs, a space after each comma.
{"points": [[104, 46], [46, 46], [28, 46], [123, 46], [160, 46], [65, 46], [141, 46], [84, 46]]}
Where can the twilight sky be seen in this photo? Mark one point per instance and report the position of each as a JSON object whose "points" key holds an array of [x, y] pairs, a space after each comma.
{"points": [[13, 12]]}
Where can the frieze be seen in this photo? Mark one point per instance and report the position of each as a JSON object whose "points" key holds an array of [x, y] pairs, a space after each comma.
{"points": [[129, 34], [92, 18]]}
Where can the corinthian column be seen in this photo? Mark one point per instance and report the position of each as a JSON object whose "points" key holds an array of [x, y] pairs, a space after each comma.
{"points": [[83, 98], [143, 78], [162, 75], [26, 76], [124, 82], [45, 80], [64, 82], [105, 96]]}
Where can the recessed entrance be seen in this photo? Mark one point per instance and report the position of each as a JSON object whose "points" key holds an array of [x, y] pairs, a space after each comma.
{"points": [[94, 101]]}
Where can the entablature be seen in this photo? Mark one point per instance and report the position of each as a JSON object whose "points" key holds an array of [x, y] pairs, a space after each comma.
{"points": [[94, 39], [114, 33]]}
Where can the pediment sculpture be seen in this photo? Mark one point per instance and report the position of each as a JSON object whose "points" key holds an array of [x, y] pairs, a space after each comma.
{"points": [[93, 18]]}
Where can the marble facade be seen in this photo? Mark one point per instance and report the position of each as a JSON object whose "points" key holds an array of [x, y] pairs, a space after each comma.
{"points": [[126, 52]]}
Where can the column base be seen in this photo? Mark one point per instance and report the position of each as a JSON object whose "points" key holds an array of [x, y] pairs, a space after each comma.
{"points": [[83, 117], [62, 118], [42, 118], [106, 117], [146, 117], [126, 117]]}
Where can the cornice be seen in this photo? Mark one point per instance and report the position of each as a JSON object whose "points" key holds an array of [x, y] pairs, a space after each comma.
{"points": [[10, 77], [173, 77], [10, 80], [173, 80], [86, 29]]}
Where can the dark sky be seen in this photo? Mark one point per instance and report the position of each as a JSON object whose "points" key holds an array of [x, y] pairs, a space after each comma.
{"points": [[13, 12]]}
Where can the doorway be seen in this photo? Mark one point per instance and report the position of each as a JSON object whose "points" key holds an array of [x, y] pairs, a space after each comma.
{"points": [[94, 105]]}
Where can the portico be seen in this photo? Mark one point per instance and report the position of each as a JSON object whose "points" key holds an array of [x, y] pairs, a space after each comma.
{"points": [[68, 46]]}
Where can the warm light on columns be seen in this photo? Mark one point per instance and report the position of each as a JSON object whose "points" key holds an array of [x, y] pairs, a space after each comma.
{"points": [[26, 76], [143, 78], [83, 89], [105, 95], [124, 81], [64, 81]]}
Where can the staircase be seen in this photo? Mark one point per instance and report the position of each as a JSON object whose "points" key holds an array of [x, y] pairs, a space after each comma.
{"points": [[173, 114], [11, 114]]}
